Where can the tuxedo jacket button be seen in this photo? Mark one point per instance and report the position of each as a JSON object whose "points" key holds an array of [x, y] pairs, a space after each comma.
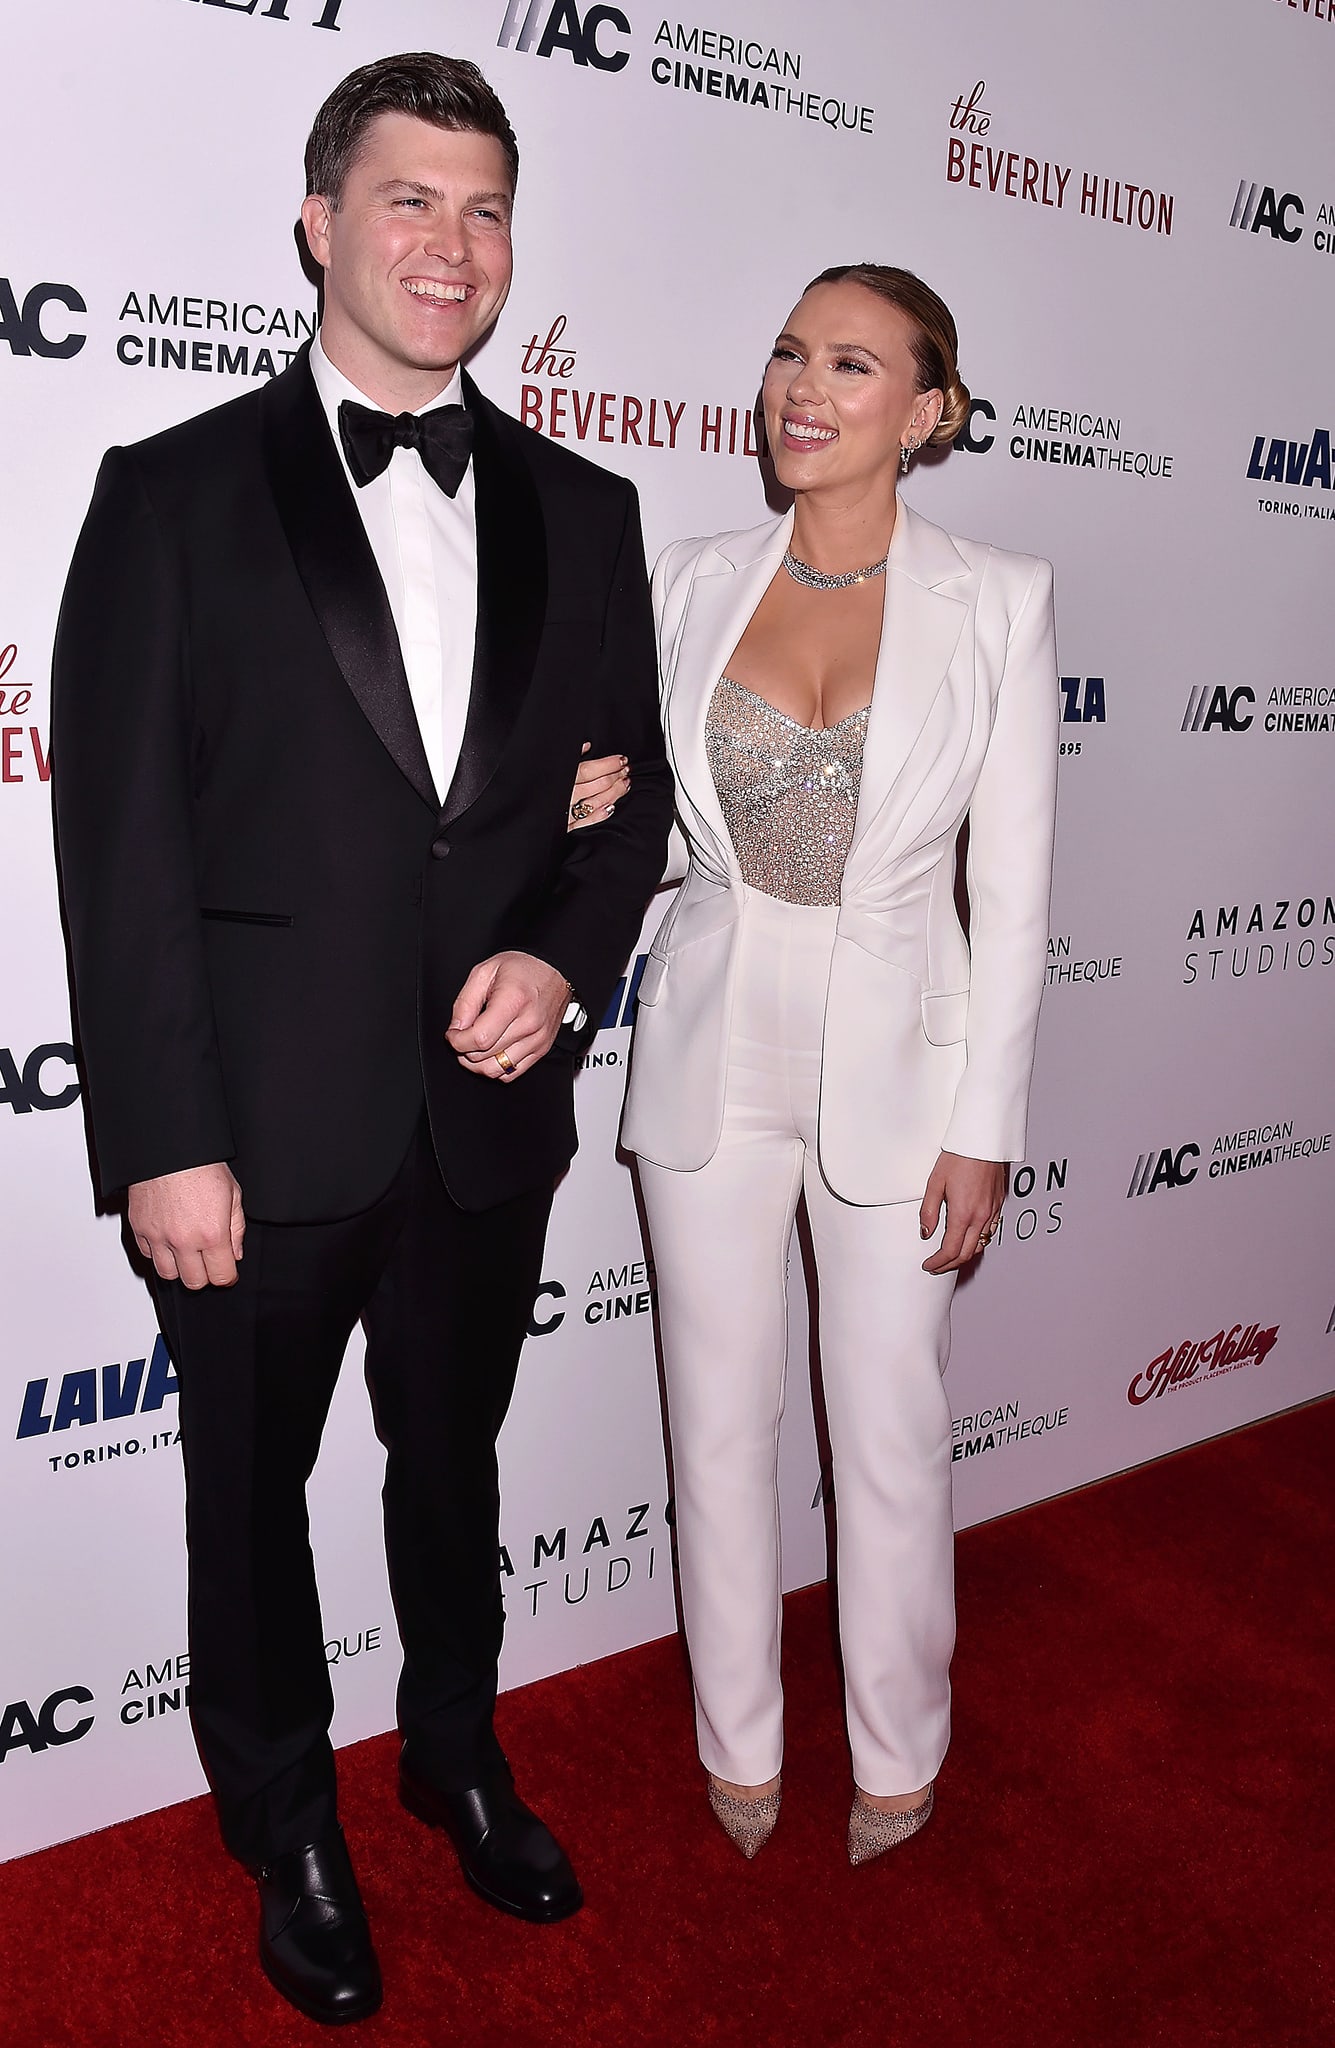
{"points": [[439, 848]]}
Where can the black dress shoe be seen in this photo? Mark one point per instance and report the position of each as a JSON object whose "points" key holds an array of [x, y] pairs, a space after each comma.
{"points": [[507, 1855], [315, 1945]]}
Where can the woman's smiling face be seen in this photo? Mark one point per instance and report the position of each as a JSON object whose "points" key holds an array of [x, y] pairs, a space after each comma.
{"points": [[840, 391]]}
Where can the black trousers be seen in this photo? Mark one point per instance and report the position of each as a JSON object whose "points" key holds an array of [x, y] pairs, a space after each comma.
{"points": [[445, 1298]]}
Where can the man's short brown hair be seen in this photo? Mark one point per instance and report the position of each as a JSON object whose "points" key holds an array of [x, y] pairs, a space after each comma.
{"points": [[449, 92]]}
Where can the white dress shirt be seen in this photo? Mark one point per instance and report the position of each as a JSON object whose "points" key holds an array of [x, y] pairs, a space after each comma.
{"points": [[425, 546]]}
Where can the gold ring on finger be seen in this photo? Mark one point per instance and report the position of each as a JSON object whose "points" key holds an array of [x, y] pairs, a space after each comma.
{"points": [[504, 1061]]}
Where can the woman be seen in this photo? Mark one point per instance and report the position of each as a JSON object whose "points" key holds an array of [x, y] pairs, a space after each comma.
{"points": [[841, 687]]}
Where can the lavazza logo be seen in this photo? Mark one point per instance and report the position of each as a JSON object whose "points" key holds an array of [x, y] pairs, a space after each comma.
{"points": [[1296, 466], [736, 69], [90, 1399], [1196, 1364], [1304, 709], [1232, 1152], [1280, 936], [554, 401], [1084, 703]]}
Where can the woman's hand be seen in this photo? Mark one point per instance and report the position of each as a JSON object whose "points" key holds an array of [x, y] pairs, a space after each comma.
{"points": [[599, 788], [973, 1191]]}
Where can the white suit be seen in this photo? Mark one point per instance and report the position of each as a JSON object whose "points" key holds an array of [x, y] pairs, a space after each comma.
{"points": [[780, 1047]]}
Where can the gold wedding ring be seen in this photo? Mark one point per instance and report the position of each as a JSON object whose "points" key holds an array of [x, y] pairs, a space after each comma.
{"points": [[504, 1061]]}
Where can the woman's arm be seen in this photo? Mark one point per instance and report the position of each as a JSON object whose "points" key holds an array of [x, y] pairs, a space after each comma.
{"points": [[1009, 873]]}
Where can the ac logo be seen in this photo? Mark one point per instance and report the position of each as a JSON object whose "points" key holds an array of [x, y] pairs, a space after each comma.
{"points": [[1164, 1169], [21, 1728], [969, 442], [22, 325], [25, 1088], [556, 25], [1216, 710], [1252, 212]]}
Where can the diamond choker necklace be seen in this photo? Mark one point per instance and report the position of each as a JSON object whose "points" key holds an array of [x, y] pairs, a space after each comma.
{"points": [[816, 579]]}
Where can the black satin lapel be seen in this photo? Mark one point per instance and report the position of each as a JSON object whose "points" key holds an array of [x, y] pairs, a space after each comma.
{"points": [[511, 598], [338, 568]]}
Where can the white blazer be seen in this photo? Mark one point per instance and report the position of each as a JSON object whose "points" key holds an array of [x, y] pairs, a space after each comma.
{"points": [[928, 1041]]}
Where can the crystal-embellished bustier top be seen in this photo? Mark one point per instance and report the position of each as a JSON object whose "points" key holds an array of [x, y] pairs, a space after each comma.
{"points": [[789, 792]]}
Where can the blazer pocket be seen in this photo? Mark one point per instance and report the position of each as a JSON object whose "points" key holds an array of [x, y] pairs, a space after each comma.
{"points": [[651, 981], [944, 1015], [266, 917]]}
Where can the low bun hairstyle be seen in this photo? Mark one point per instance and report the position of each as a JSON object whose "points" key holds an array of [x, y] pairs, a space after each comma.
{"points": [[933, 339]]}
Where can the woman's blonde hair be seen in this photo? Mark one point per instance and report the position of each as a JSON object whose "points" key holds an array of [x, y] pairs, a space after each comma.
{"points": [[933, 340]]}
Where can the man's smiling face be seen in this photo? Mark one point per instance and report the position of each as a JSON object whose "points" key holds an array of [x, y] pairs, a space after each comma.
{"points": [[416, 254]]}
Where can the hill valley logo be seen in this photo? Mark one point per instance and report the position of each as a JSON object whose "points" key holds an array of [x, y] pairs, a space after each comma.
{"points": [[1196, 1364]]}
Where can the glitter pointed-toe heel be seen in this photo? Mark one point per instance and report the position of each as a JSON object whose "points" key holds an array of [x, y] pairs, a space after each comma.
{"points": [[871, 1830], [747, 1822]]}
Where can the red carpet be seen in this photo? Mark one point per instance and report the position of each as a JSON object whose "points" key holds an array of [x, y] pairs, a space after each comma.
{"points": [[1132, 1842]]}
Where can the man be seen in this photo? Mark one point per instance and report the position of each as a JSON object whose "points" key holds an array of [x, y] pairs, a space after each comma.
{"points": [[325, 665]]}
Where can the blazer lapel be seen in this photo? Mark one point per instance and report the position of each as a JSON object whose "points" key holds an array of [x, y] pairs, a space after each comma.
{"points": [[336, 564], [725, 593], [511, 597], [919, 634]]}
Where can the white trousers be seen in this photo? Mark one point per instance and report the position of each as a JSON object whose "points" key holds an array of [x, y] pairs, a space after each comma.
{"points": [[721, 1239]]}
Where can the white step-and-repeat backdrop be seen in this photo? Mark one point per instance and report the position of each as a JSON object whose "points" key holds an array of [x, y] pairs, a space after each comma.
{"points": [[1132, 213]]}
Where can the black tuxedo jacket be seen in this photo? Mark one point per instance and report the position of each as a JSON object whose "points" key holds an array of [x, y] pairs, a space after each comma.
{"points": [[269, 912]]}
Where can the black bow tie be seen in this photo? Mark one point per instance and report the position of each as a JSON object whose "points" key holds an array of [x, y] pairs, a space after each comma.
{"points": [[443, 439]]}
